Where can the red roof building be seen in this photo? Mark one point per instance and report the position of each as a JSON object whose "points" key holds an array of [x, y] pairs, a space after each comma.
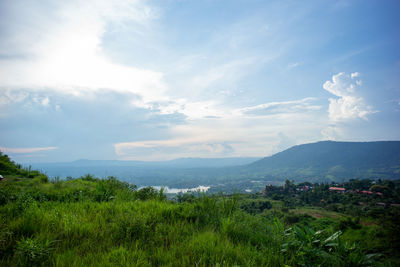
{"points": [[367, 192], [337, 189]]}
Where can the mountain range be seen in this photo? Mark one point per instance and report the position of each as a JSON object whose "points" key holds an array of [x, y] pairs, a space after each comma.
{"points": [[323, 161], [331, 160]]}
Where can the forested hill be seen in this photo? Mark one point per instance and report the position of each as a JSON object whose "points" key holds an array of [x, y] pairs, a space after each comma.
{"points": [[317, 162], [329, 159]]}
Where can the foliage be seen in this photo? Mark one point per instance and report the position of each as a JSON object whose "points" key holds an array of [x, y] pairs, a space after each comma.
{"points": [[254, 207], [312, 248], [360, 203], [32, 252], [90, 222]]}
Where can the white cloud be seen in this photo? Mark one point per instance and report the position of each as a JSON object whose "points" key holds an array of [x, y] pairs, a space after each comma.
{"points": [[9, 96], [202, 109], [41, 100], [224, 137], [68, 56], [234, 133], [170, 149], [194, 110], [348, 105], [293, 65], [332, 132], [45, 101], [301, 105], [26, 150], [191, 109], [26, 98]]}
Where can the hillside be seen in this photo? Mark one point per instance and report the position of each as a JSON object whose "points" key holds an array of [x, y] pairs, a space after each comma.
{"points": [[328, 160], [88, 221], [316, 162]]}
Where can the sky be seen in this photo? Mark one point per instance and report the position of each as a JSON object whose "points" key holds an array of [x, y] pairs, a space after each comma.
{"points": [[159, 80]]}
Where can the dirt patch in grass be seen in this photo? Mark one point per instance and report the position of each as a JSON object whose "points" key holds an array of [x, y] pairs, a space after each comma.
{"points": [[317, 214]]}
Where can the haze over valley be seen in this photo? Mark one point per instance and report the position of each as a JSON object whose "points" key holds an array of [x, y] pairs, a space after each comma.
{"points": [[317, 162]]}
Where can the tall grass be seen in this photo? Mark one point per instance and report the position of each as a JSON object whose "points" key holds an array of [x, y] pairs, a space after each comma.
{"points": [[92, 222]]}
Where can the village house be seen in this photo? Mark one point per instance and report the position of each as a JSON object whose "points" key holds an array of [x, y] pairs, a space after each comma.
{"points": [[337, 189]]}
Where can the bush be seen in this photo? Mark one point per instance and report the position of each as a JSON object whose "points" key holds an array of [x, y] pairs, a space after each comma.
{"points": [[32, 252], [185, 197], [149, 192], [89, 178], [353, 223], [254, 207], [291, 218], [41, 178]]}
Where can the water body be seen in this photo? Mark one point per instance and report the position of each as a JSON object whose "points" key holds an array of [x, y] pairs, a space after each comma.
{"points": [[168, 190]]}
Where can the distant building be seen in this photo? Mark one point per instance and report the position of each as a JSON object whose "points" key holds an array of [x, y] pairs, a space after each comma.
{"points": [[337, 189], [305, 188], [367, 192]]}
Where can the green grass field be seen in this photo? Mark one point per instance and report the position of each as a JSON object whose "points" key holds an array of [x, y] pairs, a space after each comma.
{"points": [[95, 222]]}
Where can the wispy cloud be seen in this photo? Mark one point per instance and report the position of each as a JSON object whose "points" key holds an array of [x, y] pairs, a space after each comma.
{"points": [[25, 150], [173, 148], [332, 132], [293, 65], [248, 131], [302, 105], [227, 73]]}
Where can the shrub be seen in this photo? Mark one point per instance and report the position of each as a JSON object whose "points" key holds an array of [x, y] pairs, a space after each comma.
{"points": [[291, 218], [41, 178], [348, 222], [254, 207], [89, 178], [32, 252], [185, 197], [149, 192]]}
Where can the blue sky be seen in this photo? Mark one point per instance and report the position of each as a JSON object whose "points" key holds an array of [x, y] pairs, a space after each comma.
{"points": [[158, 80]]}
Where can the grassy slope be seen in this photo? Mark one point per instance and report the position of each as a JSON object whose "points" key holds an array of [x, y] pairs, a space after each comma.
{"points": [[128, 231], [91, 222]]}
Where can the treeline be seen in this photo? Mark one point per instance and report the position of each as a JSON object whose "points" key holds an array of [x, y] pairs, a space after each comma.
{"points": [[368, 200], [354, 197]]}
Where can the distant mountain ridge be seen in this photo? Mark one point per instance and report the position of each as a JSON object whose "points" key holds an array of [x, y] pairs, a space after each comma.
{"points": [[332, 160], [143, 170], [174, 163], [323, 161]]}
